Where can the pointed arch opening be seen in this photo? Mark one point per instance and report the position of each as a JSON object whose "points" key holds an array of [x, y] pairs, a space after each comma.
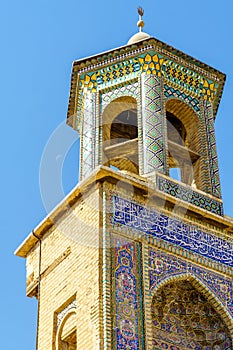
{"points": [[184, 147], [185, 317], [66, 335], [120, 134]]}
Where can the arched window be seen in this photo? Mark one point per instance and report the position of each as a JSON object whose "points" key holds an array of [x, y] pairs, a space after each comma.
{"points": [[124, 127], [182, 318], [120, 134], [183, 143], [66, 336]]}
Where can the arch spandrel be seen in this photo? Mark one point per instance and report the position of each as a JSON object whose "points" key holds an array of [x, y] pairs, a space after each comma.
{"points": [[131, 90]]}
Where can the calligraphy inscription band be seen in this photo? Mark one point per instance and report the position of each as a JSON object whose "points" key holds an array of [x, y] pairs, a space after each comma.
{"points": [[171, 230]]}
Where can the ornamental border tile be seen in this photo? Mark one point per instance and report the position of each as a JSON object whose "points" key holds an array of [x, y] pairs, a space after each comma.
{"points": [[189, 195], [159, 226], [126, 296]]}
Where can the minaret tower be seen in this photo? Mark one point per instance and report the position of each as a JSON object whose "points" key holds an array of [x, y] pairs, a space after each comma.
{"points": [[139, 255]]}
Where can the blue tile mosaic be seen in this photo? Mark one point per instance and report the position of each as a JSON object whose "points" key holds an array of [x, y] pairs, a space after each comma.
{"points": [[163, 265], [171, 230], [213, 159], [153, 123], [127, 285]]}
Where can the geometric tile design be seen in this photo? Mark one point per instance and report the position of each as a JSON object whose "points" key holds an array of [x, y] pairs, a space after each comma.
{"points": [[188, 194], [78, 119], [163, 265], [88, 136], [79, 114], [113, 73], [183, 318], [120, 79], [212, 152], [151, 62], [153, 124], [172, 92], [131, 89], [190, 80], [127, 322], [161, 227]]}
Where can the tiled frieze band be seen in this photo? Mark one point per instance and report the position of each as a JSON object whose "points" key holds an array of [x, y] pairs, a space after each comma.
{"points": [[151, 62], [159, 226]]}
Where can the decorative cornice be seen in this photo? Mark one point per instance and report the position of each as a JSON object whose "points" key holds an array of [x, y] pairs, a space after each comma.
{"points": [[105, 59]]}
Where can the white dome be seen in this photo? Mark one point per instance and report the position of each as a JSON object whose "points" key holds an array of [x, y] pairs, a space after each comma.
{"points": [[138, 37]]}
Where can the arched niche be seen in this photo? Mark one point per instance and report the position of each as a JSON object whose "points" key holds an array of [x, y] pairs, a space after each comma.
{"points": [[120, 134], [66, 333], [184, 146], [186, 315]]}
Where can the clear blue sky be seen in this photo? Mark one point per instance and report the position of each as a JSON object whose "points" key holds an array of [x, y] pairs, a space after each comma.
{"points": [[40, 39]]}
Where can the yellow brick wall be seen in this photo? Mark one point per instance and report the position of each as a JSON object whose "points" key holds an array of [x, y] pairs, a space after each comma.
{"points": [[76, 271], [75, 267]]}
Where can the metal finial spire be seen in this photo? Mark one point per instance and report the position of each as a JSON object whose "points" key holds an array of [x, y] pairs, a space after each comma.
{"points": [[140, 23], [140, 11]]}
